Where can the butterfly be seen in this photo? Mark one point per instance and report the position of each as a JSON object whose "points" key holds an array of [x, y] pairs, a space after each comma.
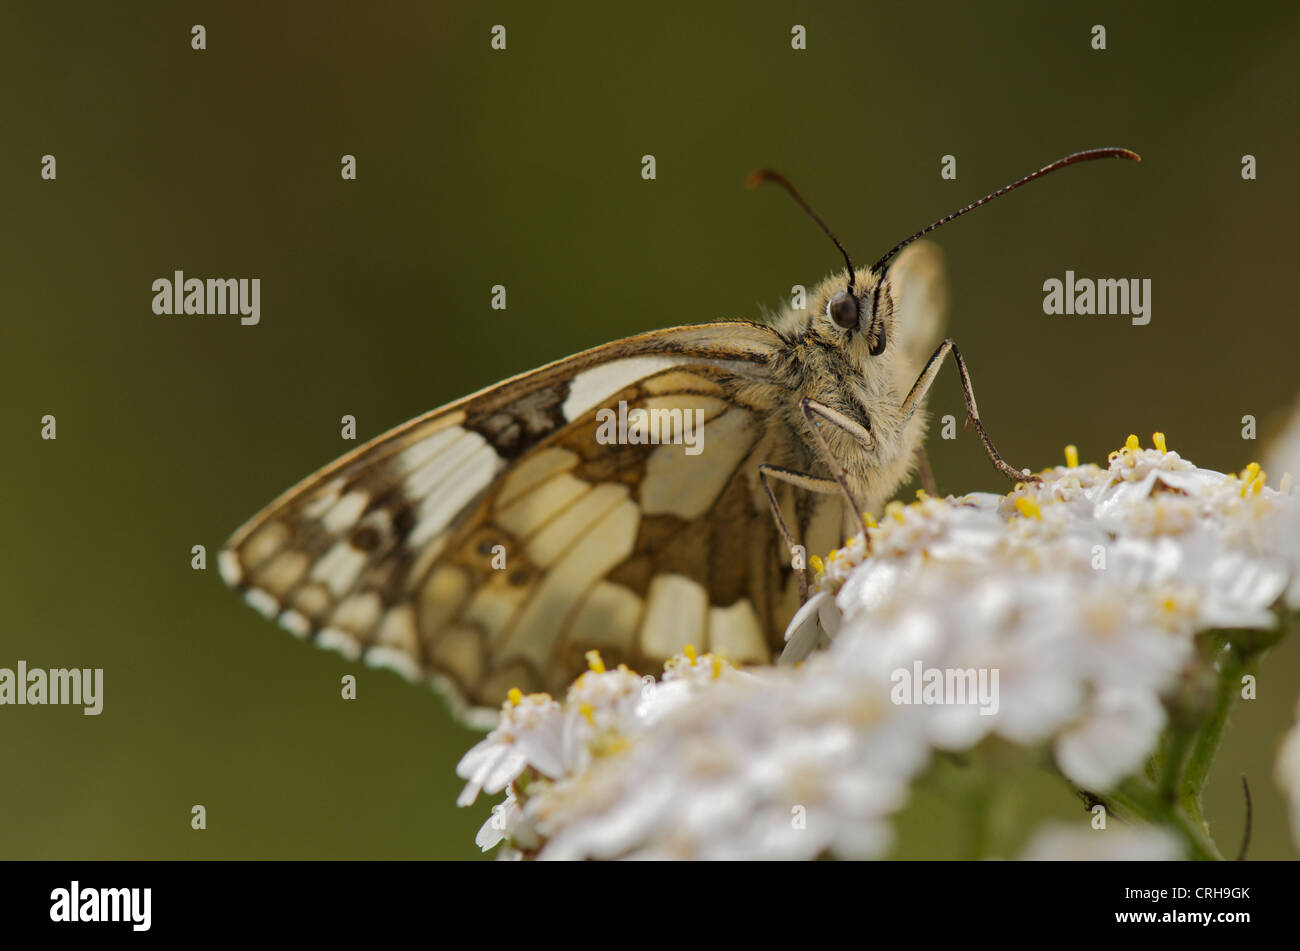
{"points": [[492, 543]]}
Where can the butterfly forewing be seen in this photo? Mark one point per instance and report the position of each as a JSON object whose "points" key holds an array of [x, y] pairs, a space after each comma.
{"points": [[918, 285]]}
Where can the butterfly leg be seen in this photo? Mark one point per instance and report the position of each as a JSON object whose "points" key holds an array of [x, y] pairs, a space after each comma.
{"points": [[815, 414], [803, 481], [924, 472], [922, 386]]}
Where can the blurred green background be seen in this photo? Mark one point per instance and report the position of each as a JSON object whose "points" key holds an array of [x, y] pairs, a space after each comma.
{"points": [[523, 168]]}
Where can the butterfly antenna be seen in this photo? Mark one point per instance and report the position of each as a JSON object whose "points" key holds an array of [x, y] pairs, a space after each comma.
{"points": [[758, 176], [1086, 156]]}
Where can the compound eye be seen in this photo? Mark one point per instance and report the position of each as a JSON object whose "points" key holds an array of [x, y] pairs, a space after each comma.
{"points": [[843, 310]]}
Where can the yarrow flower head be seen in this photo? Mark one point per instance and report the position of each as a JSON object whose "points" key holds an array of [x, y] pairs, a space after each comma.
{"points": [[539, 740], [1069, 616]]}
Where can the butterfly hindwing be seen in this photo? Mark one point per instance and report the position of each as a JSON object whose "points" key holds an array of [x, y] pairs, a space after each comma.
{"points": [[491, 543], [628, 548]]}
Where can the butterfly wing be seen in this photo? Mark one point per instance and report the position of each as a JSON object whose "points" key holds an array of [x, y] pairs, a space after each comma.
{"points": [[490, 543], [920, 291]]}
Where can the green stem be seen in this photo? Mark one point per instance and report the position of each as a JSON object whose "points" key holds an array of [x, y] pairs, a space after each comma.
{"points": [[1210, 735], [1176, 745], [1190, 821]]}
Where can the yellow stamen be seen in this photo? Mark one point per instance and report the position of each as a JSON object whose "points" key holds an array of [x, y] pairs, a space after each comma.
{"points": [[717, 666], [869, 520], [1159, 440], [895, 509], [816, 564], [588, 711], [594, 662], [1072, 455], [1248, 476], [922, 495], [691, 655], [1132, 443], [1258, 483], [516, 696], [1029, 508]]}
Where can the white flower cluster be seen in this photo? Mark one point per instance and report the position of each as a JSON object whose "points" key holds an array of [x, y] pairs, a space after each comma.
{"points": [[1061, 614], [1082, 590], [540, 741]]}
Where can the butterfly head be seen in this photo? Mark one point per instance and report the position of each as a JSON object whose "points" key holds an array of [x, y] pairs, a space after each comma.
{"points": [[860, 311], [855, 309]]}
